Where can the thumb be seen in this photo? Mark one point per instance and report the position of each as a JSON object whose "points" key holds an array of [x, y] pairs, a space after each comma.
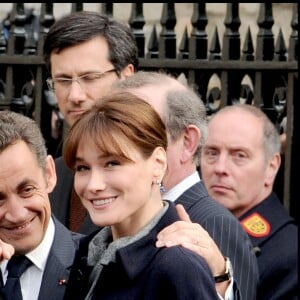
{"points": [[6, 251], [182, 213]]}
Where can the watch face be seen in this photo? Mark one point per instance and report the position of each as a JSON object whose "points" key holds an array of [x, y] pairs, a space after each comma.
{"points": [[229, 269]]}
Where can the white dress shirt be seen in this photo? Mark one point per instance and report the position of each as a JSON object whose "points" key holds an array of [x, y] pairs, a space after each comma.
{"points": [[174, 193], [31, 279]]}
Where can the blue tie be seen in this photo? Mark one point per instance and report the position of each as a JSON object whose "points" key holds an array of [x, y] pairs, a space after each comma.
{"points": [[15, 267]]}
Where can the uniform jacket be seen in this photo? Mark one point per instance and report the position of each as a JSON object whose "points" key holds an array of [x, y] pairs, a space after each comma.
{"points": [[59, 263], [143, 272], [227, 233], [61, 195], [274, 234]]}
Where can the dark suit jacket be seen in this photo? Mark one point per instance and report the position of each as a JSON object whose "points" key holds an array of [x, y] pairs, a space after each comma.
{"points": [[143, 272], [61, 196], [275, 236], [58, 264], [227, 233]]}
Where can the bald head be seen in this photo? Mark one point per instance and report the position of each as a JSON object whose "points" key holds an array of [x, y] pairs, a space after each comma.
{"points": [[177, 104], [240, 158], [153, 87], [268, 133]]}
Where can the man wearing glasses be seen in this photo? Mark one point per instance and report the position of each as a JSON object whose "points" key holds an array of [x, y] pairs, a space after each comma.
{"points": [[85, 54]]}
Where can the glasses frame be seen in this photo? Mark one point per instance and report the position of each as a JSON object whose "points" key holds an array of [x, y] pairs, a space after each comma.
{"points": [[51, 81]]}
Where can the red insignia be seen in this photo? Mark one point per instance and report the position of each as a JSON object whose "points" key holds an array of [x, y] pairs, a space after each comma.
{"points": [[62, 282], [256, 225]]}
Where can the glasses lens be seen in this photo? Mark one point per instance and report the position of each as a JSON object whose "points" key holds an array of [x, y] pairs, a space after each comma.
{"points": [[86, 81]]}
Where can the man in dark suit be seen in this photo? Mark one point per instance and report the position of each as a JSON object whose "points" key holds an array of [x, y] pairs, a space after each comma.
{"points": [[85, 53], [27, 175], [184, 115]]}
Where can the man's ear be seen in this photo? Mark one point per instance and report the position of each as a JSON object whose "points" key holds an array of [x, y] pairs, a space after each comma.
{"points": [[127, 71], [191, 141], [50, 174], [272, 169]]}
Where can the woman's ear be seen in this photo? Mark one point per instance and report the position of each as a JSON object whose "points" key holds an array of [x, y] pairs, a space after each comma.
{"points": [[159, 157], [50, 174]]}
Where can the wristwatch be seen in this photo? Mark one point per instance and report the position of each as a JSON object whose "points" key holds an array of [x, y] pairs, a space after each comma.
{"points": [[228, 272]]}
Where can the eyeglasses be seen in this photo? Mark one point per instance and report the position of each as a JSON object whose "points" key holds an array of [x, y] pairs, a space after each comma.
{"points": [[85, 80]]}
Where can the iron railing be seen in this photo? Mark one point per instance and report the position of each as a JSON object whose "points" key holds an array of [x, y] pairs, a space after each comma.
{"points": [[265, 76]]}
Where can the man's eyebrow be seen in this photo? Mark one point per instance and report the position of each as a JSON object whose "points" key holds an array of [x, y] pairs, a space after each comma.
{"points": [[24, 182], [20, 185]]}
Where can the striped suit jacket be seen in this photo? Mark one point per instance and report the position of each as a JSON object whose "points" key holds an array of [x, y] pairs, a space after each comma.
{"points": [[227, 233]]}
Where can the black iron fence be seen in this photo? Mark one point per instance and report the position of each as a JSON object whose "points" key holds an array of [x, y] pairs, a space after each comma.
{"points": [[265, 76]]}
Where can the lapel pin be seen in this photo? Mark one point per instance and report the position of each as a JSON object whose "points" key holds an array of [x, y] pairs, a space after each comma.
{"points": [[62, 282]]}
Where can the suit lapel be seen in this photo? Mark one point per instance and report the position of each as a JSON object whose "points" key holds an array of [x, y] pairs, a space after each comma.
{"points": [[59, 263], [194, 194]]}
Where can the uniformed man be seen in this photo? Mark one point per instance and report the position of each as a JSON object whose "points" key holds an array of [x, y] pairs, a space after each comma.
{"points": [[239, 163]]}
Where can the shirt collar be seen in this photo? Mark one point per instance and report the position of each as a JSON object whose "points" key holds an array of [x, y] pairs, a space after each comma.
{"points": [[39, 255], [176, 191]]}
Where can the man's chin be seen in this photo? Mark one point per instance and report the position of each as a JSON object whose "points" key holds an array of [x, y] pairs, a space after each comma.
{"points": [[71, 120], [221, 197]]}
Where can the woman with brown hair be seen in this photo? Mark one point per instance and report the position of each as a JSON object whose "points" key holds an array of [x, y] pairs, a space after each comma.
{"points": [[118, 153]]}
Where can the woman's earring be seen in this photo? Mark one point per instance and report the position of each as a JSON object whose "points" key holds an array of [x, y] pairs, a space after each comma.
{"points": [[161, 186]]}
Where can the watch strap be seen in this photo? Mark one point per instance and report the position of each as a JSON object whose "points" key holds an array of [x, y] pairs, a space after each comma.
{"points": [[228, 272]]}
